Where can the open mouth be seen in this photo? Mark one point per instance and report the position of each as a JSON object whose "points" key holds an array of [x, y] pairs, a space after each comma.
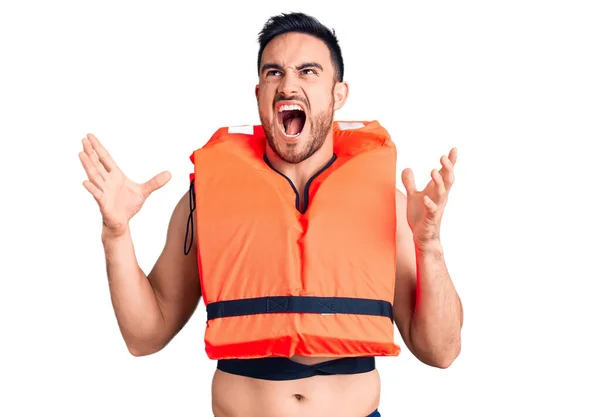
{"points": [[291, 119]]}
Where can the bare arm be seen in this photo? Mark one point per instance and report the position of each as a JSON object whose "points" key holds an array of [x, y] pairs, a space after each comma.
{"points": [[151, 310], [427, 309]]}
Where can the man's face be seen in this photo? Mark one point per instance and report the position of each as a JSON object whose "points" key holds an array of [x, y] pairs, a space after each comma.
{"points": [[297, 95]]}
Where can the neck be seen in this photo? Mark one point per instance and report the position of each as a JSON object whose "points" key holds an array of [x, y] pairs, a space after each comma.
{"points": [[301, 172]]}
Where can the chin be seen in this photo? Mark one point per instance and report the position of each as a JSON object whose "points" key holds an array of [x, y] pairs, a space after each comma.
{"points": [[290, 148], [293, 136], [292, 152]]}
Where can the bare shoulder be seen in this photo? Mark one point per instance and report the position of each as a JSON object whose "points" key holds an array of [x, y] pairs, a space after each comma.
{"points": [[175, 277], [400, 200], [406, 271], [402, 228]]}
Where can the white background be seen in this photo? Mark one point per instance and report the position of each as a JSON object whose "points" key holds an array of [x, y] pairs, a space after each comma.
{"points": [[515, 85]]}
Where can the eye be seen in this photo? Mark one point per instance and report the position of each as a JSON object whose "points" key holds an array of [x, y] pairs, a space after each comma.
{"points": [[273, 72], [308, 71]]}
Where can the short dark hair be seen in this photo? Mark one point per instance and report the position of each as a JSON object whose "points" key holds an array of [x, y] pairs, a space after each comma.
{"points": [[302, 23]]}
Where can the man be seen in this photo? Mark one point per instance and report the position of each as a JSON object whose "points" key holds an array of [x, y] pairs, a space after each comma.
{"points": [[300, 86]]}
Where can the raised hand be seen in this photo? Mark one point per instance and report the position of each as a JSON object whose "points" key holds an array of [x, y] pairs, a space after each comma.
{"points": [[118, 197], [425, 208]]}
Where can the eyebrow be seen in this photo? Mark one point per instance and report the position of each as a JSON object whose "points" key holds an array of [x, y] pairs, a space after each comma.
{"points": [[298, 68]]}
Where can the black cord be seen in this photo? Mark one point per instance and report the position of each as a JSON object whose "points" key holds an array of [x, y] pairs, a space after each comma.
{"points": [[190, 220]]}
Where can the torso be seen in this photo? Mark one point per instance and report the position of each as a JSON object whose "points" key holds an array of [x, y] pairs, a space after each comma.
{"points": [[319, 396], [353, 395]]}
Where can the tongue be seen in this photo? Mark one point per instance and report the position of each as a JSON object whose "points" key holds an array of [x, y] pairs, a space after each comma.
{"points": [[293, 125]]}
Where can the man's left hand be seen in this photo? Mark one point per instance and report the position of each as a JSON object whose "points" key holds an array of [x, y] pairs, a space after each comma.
{"points": [[425, 208]]}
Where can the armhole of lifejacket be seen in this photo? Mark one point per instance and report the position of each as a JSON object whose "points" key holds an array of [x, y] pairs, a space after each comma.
{"points": [[190, 220]]}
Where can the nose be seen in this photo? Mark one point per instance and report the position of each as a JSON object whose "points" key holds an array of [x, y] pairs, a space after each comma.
{"points": [[288, 86]]}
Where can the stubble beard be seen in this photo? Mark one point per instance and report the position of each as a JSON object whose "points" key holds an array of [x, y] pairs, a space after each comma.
{"points": [[320, 125]]}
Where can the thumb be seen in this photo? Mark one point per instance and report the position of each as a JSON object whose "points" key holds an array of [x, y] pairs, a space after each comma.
{"points": [[155, 183]]}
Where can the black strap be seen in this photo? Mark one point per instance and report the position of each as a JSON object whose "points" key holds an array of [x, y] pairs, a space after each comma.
{"points": [[299, 304], [190, 220], [279, 369]]}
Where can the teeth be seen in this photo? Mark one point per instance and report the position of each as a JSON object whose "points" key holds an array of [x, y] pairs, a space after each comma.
{"points": [[288, 107]]}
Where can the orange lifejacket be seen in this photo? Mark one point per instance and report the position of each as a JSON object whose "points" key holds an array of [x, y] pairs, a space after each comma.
{"points": [[277, 281]]}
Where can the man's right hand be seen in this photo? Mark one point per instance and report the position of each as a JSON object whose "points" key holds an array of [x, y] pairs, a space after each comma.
{"points": [[118, 197]]}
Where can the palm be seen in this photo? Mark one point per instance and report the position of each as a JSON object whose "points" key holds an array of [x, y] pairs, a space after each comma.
{"points": [[118, 197], [123, 198], [416, 211], [424, 208]]}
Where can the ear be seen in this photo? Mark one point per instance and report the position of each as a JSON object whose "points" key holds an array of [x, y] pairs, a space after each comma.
{"points": [[340, 94], [256, 91]]}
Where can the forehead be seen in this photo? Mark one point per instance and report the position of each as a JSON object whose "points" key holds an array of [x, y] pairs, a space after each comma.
{"points": [[297, 48]]}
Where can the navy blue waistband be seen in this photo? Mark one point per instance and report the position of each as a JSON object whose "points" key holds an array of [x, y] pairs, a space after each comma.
{"points": [[280, 369]]}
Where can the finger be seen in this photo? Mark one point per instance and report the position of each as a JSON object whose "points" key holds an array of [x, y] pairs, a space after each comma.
{"points": [[453, 155], [408, 180], [440, 188], [87, 147], [94, 191], [91, 170], [102, 153], [158, 181], [447, 171]]}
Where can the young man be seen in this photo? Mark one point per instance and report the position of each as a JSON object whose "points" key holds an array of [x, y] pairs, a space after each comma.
{"points": [[305, 252]]}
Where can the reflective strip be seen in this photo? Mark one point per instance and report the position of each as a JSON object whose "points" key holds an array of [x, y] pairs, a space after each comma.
{"points": [[246, 130], [350, 125]]}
